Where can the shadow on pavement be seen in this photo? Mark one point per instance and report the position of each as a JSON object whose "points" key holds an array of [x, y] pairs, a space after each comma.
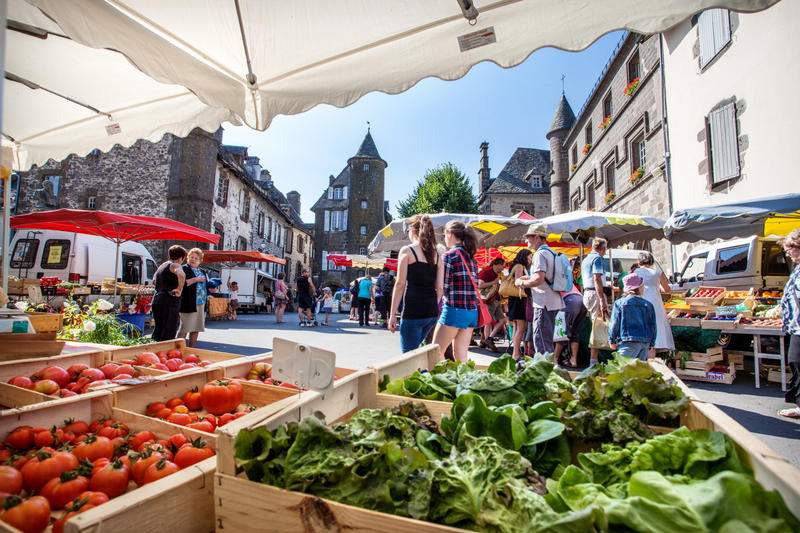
{"points": [[232, 348], [763, 424]]}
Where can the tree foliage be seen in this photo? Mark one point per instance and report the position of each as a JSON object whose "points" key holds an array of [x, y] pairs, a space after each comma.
{"points": [[442, 189]]}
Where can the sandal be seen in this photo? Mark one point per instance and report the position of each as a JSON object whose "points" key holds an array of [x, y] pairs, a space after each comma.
{"points": [[793, 412]]}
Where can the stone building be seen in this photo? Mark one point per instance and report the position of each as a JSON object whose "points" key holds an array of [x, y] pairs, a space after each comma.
{"points": [[615, 146], [522, 185], [349, 213], [172, 178], [730, 88]]}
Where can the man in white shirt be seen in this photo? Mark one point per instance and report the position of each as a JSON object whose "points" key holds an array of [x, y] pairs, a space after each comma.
{"points": [[546, 302]]}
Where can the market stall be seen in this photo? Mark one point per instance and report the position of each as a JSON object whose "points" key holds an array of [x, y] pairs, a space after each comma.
{"points": [[753, 313], [218, 301]]}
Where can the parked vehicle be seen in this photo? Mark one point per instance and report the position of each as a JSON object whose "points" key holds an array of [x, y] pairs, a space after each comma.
{"points": [[738, 264], [252, 287], [78, 258], [342, 301], [624, 259]]}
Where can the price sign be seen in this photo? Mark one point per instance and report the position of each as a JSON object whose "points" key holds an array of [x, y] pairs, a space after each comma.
{"points": [[55, 254], [303, 366]]}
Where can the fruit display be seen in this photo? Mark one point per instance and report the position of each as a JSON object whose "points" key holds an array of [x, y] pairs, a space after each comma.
{"points": [[169, 361], [761, 322], [55, 473], [77, 379], [706, 292], [203, 408], [737, 294], [767, 311]]}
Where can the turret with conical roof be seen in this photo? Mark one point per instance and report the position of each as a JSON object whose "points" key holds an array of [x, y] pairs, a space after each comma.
{"points": [[368, 149], [559, 156]]}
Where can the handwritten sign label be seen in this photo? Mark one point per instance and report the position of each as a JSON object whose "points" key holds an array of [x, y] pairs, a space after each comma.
{"points": [[54, 256]]}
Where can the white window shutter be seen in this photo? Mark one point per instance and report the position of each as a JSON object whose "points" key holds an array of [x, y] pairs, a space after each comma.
{"points": [[327, 221], [344, 193], [724, 143], [344, 220], [722, 28], [705, 34], [330, 193], [324, 260]]}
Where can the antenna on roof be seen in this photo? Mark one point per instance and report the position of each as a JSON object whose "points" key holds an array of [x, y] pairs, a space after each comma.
{"points": [[562, 84], [368, 126]]}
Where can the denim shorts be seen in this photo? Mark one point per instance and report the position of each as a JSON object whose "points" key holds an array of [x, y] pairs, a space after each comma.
{"points": [[413, 331], [634, 350], [458, 318]]}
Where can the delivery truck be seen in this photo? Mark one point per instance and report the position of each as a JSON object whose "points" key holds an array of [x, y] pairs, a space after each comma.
{"points": [[252, 286]]}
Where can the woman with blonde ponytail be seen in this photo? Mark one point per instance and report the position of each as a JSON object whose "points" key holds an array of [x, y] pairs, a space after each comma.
{"points": [[420, 277], [460, 304]]}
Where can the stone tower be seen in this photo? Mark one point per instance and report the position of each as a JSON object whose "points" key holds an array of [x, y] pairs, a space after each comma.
{"points": [[366, 194], [559, 156], [484, 174]]}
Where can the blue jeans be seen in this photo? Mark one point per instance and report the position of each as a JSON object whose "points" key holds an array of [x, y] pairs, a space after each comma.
{"points": [[634, 350], [413, 330]]}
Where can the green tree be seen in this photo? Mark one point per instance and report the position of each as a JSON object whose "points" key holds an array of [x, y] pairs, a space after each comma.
{"points": [[442, 189]]}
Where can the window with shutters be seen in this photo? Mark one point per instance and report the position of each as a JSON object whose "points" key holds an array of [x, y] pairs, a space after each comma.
{"points": [[336, 218], [713, 33], [337, 193], [638, 152], [222, 191], [611, 177], [633, 67], [723, 143]]}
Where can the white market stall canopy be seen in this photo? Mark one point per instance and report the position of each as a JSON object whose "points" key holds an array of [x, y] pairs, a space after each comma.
{"points": [[246, 61]]}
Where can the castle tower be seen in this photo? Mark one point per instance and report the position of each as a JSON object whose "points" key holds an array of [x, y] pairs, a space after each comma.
{"points": [[559, 156], [484, 174], [366, 194]]}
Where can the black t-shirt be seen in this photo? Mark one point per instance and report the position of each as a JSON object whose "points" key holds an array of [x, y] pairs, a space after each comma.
{"points": [[303, 287]]}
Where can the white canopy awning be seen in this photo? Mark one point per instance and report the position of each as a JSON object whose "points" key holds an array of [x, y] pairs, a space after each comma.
{"points": [[106, 55]]}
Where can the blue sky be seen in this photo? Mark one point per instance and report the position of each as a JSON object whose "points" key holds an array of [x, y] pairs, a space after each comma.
{"points": [[432, 123]]}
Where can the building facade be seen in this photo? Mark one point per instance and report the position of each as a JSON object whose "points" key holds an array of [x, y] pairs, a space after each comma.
{"points": [[349, 213], [730, 84], [522, 185], [615, 145]]}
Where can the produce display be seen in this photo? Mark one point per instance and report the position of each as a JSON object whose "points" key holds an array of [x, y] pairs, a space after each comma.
{"points": [[737, 294], [484, 470], [767, 311], [703, 292], [761, 322], [77, 379], [203, 409], [81, 465], [170, 361], [721, 318], [615, 401]]}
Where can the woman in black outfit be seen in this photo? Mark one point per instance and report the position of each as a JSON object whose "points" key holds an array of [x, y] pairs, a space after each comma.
{"points": [[419, 285], [516, 304], [169, 280]]}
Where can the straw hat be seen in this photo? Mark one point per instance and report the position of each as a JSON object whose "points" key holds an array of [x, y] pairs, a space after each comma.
{"points": [[537, 229]]}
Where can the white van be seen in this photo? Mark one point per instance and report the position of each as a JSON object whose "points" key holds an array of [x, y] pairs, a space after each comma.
{"points": [[737, 264], [252, 286], [78, 258]]}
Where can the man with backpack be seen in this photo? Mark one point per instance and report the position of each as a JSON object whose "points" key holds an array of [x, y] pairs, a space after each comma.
{"points": [[546, 282], [383, 294]]}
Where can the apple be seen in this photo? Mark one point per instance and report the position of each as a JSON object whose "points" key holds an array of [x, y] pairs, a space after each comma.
{"points": [[174, 363], [93, 374], [75, 370], [260, 371], [192, 358], [109, 369], [46, 386], [147, 358], [125, 369], [171, 354], [54, 373], [22, 381]]}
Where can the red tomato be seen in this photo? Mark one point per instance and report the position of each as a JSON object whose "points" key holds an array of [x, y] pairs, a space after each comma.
{"points": [[88, 497], [20, 438], [221, 396], [224, 419], [46, 386], [60, 491], [127, 361], [211, 420], [172, 402], [125, 369], [109, 370], [159, 470], [147, 358], [161, 366], [140, 438], [10, 480], [180, 409], [186, 366], [203, 425], [113, 431], [204, 363], [192, 358], [146, 459], [55, 373], [49, 437], [75, 370], [173, 363], [179, 418], [112, 479], [164, 413], [66, 393], [176, 441], [192, 453], [154, 408], [191, 399], [174, 353], [29, 516], [93, 448], [93, 374], [21, 381], [95, 384], [46, 465]]}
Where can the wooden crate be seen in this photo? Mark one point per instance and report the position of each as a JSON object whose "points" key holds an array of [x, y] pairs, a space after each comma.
{"points": [[179, 503], [240, 366], [722, 325], [708, 376], [705, 366], [26, 367], [737, 359], [238, 501], [44, 322], [706, 301]]}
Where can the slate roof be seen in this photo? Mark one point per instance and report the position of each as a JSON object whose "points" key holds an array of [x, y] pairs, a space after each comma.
{"points": [[511, 179], [343, 179], [564, 118], [368, 149]]}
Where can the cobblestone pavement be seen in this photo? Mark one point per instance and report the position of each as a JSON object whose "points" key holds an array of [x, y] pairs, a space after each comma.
{"points": [[355, 347]]}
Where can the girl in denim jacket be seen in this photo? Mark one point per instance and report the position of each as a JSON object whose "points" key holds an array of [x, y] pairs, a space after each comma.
{"points": [[632, 331]]}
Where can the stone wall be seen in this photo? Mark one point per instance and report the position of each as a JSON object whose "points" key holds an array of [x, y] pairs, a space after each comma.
{"points": [[537, 205]]}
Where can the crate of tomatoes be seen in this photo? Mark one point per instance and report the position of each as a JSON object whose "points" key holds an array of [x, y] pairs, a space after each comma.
{"points": [[84, 465]]}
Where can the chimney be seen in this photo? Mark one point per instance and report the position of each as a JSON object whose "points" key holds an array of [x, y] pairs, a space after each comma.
{"points": [[330, 179], [485, 171], [294, 199]]}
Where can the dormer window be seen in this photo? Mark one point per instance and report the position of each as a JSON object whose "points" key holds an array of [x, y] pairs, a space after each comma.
{"points": [[366, 167], [536, 182]]}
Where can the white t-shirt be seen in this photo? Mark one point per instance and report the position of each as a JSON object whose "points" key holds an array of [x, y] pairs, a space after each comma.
{"points": [[234, 295], [543, 296], [328, 302]]}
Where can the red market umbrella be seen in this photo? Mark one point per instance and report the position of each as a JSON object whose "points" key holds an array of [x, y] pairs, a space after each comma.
{"points": [[361, 261], [240, 256], [116, 227], [522, 215]]}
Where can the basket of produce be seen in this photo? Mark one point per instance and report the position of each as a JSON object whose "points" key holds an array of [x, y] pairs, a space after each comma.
{"points": [[706, 296]]}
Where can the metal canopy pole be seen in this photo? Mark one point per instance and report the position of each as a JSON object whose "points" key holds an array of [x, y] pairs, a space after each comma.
{"points": [[6, 181]]}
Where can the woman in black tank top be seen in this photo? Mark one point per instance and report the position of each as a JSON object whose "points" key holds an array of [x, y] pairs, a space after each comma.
{"points": [[420, 279], [169, 280]]}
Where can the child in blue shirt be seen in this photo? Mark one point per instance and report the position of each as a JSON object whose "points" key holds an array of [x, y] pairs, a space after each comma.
{"points": [[632, 331]]}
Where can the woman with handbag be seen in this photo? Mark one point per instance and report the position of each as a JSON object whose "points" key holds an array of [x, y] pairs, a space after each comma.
{"points": [[516, 298], [461, 299], [281, 298]]}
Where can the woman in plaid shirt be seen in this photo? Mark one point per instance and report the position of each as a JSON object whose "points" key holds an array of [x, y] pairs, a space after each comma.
{"points": [[460, 300]]}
